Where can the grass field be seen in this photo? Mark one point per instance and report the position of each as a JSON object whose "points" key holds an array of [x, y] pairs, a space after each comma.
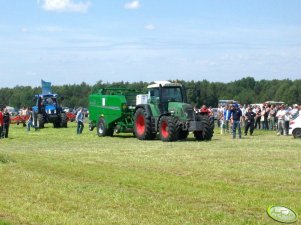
{"points": [[54, 176]]}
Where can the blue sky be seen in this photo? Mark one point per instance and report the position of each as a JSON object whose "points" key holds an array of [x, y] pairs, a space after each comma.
{"points": [[70, 41]]}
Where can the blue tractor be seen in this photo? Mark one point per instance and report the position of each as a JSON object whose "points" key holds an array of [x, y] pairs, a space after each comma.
{"points": [[48, 110]]}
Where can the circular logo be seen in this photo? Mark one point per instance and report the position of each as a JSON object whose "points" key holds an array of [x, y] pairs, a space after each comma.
{"points": [[282, 214]]}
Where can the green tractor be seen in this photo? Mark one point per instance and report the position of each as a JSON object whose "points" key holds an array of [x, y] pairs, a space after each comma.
{"points": [[162, 111]]}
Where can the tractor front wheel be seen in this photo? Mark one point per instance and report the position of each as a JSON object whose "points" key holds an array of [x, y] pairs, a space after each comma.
{"points": [[168, 129], [207, 132], [143, 125], [40, 121]]}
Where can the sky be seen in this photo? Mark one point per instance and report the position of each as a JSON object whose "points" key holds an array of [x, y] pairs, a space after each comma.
{"points": [[74, 41]]}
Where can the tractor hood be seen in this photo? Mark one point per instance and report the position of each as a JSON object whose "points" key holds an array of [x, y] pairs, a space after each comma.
{"points": [[50, 109], [181, 110]]}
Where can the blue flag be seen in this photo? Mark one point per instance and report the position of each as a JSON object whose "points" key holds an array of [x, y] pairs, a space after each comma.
{"points": [[46, 87]]}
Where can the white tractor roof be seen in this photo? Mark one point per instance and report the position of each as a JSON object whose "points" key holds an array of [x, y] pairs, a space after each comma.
{"points": [[163, 83]]}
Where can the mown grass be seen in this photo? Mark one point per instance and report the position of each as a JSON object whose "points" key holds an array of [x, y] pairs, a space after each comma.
{"points": [[54, 176]]}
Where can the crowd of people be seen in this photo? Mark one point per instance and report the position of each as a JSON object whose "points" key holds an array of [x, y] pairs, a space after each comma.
{"points": [[264, 117]]}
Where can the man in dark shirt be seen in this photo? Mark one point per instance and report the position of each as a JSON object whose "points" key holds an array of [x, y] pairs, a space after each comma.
{"points": [[236, 114], [6, 121], [250, 119]]}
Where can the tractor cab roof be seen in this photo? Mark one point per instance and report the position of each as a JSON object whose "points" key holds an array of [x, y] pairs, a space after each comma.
{"points": [[163, 84], [46, 96]]}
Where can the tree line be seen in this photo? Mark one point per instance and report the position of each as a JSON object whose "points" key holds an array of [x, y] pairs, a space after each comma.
{"points": [[246, 90]]}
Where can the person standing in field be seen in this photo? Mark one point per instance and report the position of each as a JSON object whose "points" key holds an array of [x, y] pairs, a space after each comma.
{"points": [[227, 117], [271, 117], [80, 121], [6, 121], [294, 112], [258, 117], [287, 118], [236, 114], [1, 122], [249, 121], [30, 120], [280, 115]]}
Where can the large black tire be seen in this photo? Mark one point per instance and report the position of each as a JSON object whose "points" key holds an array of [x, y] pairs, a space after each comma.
{"points": [[183, 134], [168, 130], [297, 133], [207, 132], [40, 121], [63, 120], [102, 129], [143, 126]]}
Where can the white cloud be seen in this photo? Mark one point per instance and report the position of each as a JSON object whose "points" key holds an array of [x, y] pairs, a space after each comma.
{"points": [[24, 29], [132, 5], [150, 27], [65, 6]]}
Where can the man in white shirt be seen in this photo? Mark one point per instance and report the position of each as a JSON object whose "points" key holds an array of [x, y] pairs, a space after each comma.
{"points": [[80, 121], [281, 124]]}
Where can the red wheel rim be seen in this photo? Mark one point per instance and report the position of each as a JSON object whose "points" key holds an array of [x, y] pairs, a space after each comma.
{"points": [[164, 131], [140, 124]]}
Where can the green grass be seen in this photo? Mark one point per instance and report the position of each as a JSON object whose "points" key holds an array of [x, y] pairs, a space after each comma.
{"points": [[54, 176]]}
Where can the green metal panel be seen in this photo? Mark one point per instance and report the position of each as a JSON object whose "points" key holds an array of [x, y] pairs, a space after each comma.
{"points": [[107, 106], [116, 106]]}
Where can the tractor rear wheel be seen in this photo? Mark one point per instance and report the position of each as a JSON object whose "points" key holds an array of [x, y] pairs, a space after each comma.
{"points": [[143, 125], [207, 132], [63, 122], [40, 121], [168, 129], [102, 129]]}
